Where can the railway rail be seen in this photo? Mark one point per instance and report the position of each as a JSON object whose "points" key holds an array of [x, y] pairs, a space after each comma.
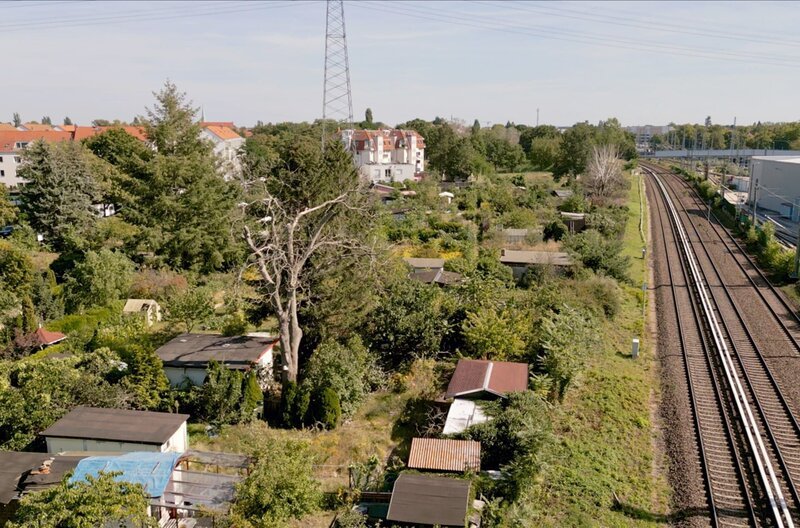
{"points": [[748, 440]]}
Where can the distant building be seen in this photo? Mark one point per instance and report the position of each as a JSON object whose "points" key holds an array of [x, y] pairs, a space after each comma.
{"points": [[117, 431], [425, 264], [187, 356], [13, 142], [39, 339], [775, 183], [519, 261], [147, 308], [387, 155], [644, 134], [227, 143]]}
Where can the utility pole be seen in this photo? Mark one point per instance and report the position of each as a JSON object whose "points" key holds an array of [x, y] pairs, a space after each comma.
{"points": [[755, 203], [337, 99], [537, 117]]}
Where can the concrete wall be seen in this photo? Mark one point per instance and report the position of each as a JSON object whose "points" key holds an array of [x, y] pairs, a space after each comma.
{"points": [[176, 375], [376, 172], [774, 177]]}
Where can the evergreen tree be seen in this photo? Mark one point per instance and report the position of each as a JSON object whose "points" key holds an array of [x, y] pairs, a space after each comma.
{"points": [[476, 127], [8, 213], [58, 199], [28, 320], [67, 121], [17, 119], [47, 121], [180, 198], [49, 304], [368, 116], [252, 395]]}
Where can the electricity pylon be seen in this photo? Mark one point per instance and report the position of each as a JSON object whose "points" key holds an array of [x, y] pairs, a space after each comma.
{"points": [[337, 101]]}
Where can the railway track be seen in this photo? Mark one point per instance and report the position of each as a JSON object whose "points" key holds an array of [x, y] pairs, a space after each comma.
{"points": [[748, 439]]}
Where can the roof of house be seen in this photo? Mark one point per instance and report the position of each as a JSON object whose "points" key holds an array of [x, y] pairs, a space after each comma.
{"points": [[196, 350], [445, 454], [222, 132], [573, 216], [435, 276], [36, 126], [425, 263], [228, 124], [151, 470], [496, 377], [429, 500], [556, 258], [138, 305], [10, 138], [40, 338], [13, 466], [118, 425], [563, 193], [463, 414], [49, 471], [7, 126]]}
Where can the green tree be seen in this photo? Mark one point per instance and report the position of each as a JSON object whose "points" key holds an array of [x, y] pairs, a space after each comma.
{"points": [[144, 378], [325, 408], [46, 296], [252, 395], [190, 308], [495, 334], [182, 202], [280, 487], [8, 213], [17, 119], [100, 279], [349, 370], [368, 116], [219, 399], [47, 121], [565, 338], [58, 200], [599, 254], [573, 152], [95, 501], [67, 121], [543, 152], [16, 269]]}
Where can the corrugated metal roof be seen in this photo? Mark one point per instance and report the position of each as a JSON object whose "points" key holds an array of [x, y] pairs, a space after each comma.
{"points": [[429, 501], [445, 455]]}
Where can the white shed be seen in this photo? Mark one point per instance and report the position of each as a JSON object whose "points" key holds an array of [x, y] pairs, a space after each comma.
{"points": [[117, 431]]}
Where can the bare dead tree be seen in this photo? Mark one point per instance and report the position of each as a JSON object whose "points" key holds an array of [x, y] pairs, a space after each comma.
{"points": [[282, 243], [603, 172]]}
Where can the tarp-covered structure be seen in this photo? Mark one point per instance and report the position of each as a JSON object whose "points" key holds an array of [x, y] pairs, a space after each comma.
{"points": [[151, 470]]}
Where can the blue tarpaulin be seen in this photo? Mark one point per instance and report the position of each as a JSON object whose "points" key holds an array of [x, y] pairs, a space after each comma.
{"points": [[151, 470]]}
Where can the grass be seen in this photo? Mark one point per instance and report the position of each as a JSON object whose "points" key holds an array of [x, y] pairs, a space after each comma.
{"points": [[606, 442]]}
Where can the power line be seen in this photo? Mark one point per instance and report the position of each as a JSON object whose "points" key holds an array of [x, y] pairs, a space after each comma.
{"points": [[570, 36], [144, 16]]}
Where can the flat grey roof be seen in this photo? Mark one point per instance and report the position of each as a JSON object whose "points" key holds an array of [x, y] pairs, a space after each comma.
{"points": [[196, 350], [556, 258], [117, 425], [13, 466], [429, 501], [425, 263]]}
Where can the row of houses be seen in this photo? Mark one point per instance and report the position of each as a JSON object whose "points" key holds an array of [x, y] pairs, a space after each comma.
{"points": [[13, 140]]}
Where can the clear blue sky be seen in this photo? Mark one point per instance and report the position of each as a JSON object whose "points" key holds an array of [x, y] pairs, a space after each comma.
{"points": [[643, 62]]}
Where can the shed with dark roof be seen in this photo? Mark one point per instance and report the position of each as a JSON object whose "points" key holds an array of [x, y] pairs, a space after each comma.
{"points": [[429, 501], [117, 430], [477, 378], [187, 356]]}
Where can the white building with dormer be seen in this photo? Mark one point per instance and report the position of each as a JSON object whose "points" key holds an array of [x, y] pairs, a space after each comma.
{"points": [[387, 155]]}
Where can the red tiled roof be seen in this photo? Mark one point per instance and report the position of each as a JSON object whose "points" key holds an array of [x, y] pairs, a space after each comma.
{"points": [[494, 377], [228, 124], [7, 126], [9, 138], [83, 132], [40, 338], [37, 127], [445, 455], [222, 132]]}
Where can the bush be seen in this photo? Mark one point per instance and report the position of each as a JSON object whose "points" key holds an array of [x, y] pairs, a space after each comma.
{"points": [[349, 370], [351, 519], [326, 409], [101, 278], [599, 254], [605, 292], [554, 230]]}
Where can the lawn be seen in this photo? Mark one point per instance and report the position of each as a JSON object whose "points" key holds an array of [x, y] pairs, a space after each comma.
{"points": [[605, 428]]}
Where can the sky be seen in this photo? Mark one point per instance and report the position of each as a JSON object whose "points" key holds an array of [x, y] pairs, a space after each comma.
{"points": [[642, 62]]}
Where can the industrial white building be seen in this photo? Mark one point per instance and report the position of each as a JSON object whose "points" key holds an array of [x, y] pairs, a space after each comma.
{"points": [[387, 155], [775, 184]]}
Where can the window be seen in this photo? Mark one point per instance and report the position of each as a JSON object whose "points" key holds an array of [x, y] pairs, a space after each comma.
{"points": [[1, 159], [17, 159], [2, 173], [387, 173], [21, 144]]}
